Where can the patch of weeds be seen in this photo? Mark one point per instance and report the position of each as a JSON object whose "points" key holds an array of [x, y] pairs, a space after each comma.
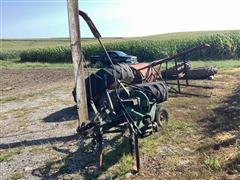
{"points": [[172, 133], [125, 163], [113, 154], [171, 161], [148, 144], [3, 116], [4, 156], [31, 94], [40, 149], [181, 125], [7, 154], [213, 164], [17, 175], [23, 111], [176, 132], [7, 99]]}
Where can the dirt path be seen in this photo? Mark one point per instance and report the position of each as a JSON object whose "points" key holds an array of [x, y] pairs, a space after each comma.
{"points": [[38, 139]]}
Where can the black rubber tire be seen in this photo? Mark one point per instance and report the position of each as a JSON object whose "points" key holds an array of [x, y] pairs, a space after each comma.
{"points": [[161, 117], [121, 72], [202, 72], [103, 79], [155, 90]]}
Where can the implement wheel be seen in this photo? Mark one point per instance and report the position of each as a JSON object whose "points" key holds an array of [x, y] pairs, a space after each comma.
{"points": [[161, 117]]}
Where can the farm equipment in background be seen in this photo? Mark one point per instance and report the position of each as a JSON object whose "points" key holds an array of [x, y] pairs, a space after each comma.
{"points": [[128, 98]]}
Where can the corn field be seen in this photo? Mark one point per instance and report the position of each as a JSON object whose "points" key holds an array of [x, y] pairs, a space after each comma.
{"points": [[222, 46], [4, 55]]}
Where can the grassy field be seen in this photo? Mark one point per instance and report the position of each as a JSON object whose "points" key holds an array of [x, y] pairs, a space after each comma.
{"points": [[24, 44], [15, 64]]}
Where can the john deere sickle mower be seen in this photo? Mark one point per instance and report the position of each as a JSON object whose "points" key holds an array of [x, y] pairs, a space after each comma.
{"points": [[125, 98]]}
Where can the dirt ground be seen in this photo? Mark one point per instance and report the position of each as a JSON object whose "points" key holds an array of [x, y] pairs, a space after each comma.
{"points": [[38, 131], [29, 99], [13, 81]]}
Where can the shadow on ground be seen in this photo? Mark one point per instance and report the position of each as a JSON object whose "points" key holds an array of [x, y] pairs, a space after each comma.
{"points": [[225, 120], [66, 114], [234, 164], [41, 141], [226, 117], [83, 162]]}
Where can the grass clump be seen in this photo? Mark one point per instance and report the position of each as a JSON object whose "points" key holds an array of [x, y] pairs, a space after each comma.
{"points": [[7, 154], [17, 175], [125, 163], [213, 164]]}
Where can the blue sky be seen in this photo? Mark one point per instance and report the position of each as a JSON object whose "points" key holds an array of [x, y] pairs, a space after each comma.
{"points": [[121, 18]]}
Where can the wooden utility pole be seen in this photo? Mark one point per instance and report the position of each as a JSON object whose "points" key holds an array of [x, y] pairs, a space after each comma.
{"points": [[77, 58]]}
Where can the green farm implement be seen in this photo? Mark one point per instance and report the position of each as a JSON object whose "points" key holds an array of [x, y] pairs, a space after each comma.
{"points": [[126, 98]]}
